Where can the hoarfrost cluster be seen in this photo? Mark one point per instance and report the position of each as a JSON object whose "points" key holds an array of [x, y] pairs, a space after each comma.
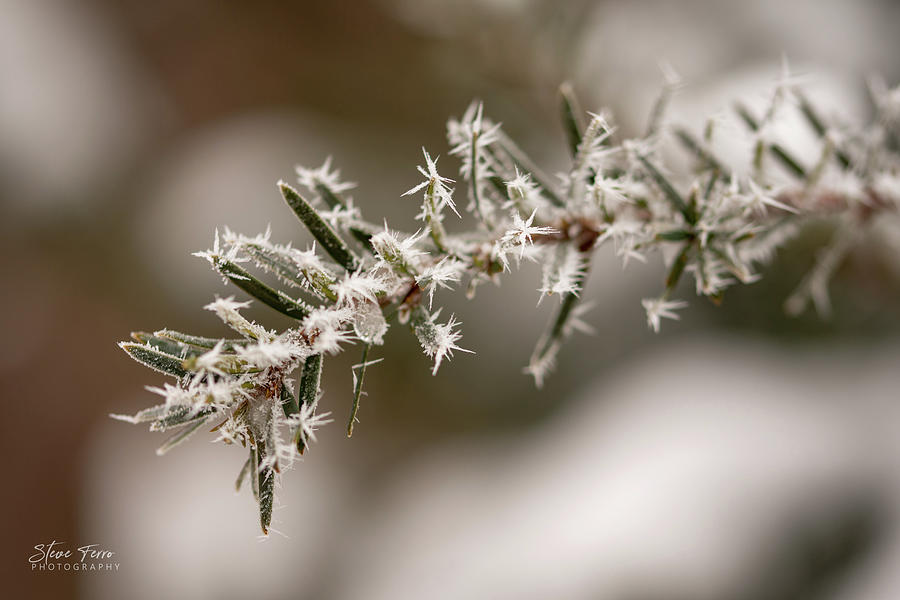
{"points": [[260, 388]]}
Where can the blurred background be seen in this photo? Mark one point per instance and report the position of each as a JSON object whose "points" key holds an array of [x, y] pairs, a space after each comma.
{"points": [[739, 454]]}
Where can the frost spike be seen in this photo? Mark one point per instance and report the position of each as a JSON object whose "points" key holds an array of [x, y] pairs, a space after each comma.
{"points": [[262, 292], [322, 231], [159, 361]]}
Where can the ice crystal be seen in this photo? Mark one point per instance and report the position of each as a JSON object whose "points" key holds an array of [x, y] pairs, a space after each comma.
{"points": [[437, 194], [440, 275], [521, 235], [324, 176], [438, 340], [660, 308]]}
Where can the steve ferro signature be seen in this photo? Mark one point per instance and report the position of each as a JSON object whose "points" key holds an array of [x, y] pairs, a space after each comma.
{"points": [[56, 556]]}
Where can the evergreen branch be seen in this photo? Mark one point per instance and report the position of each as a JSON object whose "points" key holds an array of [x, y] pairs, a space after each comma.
{"points": [[616, 194]]}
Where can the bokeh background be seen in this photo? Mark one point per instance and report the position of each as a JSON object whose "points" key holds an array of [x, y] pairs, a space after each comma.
{"points": [[739, 454]]}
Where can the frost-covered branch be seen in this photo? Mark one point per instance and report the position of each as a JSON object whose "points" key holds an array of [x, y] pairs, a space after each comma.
{"points": [[261, 388]]}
